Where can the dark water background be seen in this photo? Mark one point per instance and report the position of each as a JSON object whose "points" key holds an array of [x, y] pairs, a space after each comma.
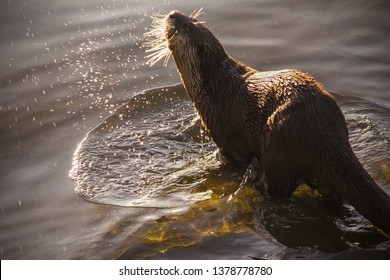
{"points": [[66, 65]]}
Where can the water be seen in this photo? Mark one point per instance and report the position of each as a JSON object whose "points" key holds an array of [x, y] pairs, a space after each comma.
{"points": [[65, 68], [146, 165]]}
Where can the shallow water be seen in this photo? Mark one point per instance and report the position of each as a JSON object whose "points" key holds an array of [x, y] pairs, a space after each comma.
{"points": [[67, 67]]}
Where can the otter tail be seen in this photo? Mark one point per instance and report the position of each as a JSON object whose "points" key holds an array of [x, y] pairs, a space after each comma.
{"points": [[348, 179]]}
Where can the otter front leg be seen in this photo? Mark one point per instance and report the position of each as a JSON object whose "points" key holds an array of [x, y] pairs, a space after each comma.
{"points": [[254, 175]]}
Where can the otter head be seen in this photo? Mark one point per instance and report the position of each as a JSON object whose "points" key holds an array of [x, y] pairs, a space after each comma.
{"points": [[191, 42]]}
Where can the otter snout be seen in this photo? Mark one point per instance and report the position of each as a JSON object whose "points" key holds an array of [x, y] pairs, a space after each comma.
{"points": [[176, 20], [173, 13], [178, 16]]}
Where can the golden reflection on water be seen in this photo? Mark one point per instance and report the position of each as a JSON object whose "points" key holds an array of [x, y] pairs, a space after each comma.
{"points": [[234, 212], [214, 217], [384, 173]]}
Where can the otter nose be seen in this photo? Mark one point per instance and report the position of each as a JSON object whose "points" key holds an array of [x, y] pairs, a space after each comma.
{"points": [[173, 14]]}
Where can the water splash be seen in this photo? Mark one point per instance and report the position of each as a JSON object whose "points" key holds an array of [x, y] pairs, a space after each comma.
{"points": [[147, 154]]}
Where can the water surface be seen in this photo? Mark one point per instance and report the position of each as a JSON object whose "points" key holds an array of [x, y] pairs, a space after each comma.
{"points": [[65, 68]]}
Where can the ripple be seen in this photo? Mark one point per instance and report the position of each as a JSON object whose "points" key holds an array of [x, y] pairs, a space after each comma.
{"points": [[149, 153]]}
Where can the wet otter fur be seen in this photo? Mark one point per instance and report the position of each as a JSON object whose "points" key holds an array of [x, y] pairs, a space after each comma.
{"points": [[284, 119]]}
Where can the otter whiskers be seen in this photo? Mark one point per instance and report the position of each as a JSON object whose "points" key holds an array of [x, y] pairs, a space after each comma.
{"points": [[195, 14], [157, 45]]}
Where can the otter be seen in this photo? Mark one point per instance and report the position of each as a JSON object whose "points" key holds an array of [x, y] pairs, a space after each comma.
{"points": [[285, 119]]}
